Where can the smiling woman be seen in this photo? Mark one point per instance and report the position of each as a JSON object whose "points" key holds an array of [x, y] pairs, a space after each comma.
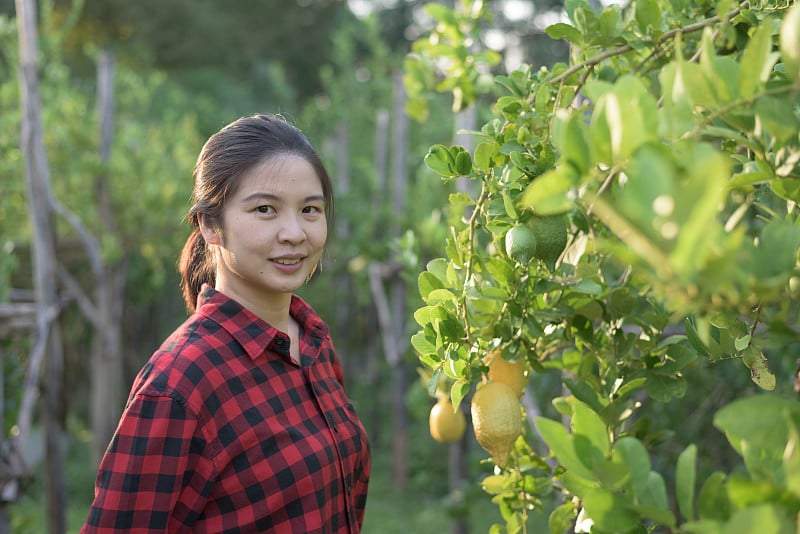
{"points": [[240, 421]]}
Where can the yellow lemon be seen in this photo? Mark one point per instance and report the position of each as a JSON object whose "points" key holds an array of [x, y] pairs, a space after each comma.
{"points": [[513, 374], [496, 419], [446, 425]]}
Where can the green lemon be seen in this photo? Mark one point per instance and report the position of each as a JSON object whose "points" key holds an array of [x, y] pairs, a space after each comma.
{"points": [[551, 237], [521, 243]]}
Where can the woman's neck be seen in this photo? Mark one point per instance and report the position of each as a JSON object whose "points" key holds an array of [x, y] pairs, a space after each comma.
{"points": [[273, 309]]}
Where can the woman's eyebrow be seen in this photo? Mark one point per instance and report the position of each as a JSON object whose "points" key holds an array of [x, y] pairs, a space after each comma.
{"points": [[270, 196]]}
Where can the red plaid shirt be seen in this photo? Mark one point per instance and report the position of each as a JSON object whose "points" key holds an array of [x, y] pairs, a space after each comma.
{"points": [[223, 432]]}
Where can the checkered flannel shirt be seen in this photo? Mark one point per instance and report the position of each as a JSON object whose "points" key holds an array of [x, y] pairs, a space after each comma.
{"points": [[223, 432]]}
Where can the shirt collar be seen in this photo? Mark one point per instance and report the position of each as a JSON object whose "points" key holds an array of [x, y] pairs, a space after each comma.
{"points": [[251, 332]]}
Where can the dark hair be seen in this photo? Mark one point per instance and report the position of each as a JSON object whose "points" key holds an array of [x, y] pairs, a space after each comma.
{"points": [[227, 156]]}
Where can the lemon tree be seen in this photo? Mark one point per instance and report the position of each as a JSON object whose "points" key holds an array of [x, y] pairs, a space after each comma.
{"points": [[661, 167]]}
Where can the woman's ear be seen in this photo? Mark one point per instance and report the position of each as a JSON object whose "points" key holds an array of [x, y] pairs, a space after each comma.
{"points": [[210, 234]]}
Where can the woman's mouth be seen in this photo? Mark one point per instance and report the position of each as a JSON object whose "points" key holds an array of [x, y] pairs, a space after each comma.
{"points": [[287, 261]]}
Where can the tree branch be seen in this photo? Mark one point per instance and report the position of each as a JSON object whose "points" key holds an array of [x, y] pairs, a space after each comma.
{"points": [[691, 28]]}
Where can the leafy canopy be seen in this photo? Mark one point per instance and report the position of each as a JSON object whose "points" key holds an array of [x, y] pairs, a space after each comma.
{"points": [[670, 141]]}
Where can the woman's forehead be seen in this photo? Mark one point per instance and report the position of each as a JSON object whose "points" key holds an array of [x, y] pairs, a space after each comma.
{"points": [[285, 174]]}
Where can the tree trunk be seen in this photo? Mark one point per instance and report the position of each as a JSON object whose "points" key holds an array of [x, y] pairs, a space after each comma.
{"points": [[344, 285], [106, 357], [44, 265], [399, 178], [372, 371]]}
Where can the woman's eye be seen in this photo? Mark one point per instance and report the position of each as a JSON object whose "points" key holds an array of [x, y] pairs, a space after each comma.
{"points": [[312, 209], [264, 209]]}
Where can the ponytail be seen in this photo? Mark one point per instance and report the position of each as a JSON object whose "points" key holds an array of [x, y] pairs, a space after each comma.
{"points": [[195, 268]]}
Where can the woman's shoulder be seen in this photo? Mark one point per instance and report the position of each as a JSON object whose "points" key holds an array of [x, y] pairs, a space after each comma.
{"points": [[190, 364]]}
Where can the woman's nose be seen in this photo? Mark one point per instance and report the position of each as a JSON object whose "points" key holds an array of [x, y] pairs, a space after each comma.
{"points": [[291, 230]]}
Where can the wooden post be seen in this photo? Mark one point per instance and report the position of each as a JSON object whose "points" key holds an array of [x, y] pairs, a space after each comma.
{"points": [[373, 365], [48, 334], [390, 306], [399, 191], [105, 314]]}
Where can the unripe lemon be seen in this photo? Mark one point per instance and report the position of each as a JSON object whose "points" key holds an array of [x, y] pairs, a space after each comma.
{"points": [[551, 237], [520, 243], [496, 419], [446, 425], [513, 374]]}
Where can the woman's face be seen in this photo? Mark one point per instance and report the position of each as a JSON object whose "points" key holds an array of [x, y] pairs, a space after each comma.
{"points": [[274, 231]]}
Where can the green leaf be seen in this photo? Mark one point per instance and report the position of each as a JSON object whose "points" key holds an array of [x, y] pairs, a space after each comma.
{"points": [[787, 188], [791, 456], [484, 152], [654, 492], [676, 115], [422, 344], [458, 391], [570, 138], [703, 527], [692, 83], [584, 393], [561, 445], [665, 388], [648, 16], [561, 30], [440, 160], [657, 514], [438, 268], [610, 512], [706, 186], [632, 117], [777, 118], [694, 338], [586, 422], [442, 320], [427, 282], [511, 211], [790, 43], [576, 485], [756, 64], [441, 296], [742, 343], [588, 287], [632, 453], [433, 383], [713, 502], [561, 518], [542, 100], [757, 429], [761, 518], [685, 474], [494, 484], [548, 194]]}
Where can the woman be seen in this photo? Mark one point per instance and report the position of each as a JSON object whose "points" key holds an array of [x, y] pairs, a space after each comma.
{"points": [[239, 422]]}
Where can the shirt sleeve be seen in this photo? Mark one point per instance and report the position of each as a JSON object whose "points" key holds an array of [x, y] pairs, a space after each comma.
{"points": [[155, 475]]}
